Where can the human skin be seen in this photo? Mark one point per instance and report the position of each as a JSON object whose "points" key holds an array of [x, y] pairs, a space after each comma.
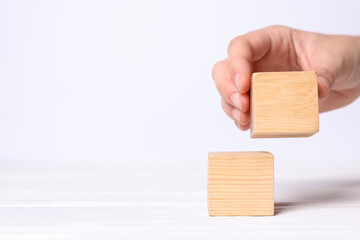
{"points": [[335, 58]]}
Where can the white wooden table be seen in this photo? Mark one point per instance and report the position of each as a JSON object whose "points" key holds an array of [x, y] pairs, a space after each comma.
{"points": [[115, 201]]}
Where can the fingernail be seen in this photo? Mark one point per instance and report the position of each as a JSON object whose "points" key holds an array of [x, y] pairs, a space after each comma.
{"points": [[236, 114], [237, 124], [236, 100], [325, 82], [237, 81]]}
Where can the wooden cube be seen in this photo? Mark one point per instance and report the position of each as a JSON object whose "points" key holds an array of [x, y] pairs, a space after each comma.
{"points": [[241, 184], [284, 104]]}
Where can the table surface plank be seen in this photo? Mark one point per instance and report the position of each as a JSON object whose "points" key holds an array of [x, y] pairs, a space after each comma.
{"points": [[114, 201]]}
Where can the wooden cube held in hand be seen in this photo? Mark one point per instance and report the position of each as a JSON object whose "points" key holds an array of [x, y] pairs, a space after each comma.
{"points": [[241, 184], [284, 104]]}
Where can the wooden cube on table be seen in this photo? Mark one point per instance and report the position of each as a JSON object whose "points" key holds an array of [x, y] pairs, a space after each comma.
{"points": [[284, 104], [241, 184]]}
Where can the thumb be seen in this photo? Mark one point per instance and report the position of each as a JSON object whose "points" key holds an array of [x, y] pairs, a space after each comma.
{"points": [[325, 82]]}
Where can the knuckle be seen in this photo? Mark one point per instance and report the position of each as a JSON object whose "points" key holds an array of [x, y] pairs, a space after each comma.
{"points": [[234, 64], [242, 45], [278, 28], [235, 43], [216, 68]]}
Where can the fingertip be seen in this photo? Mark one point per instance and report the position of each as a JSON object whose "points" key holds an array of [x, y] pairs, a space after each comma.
{"points": [[244, 118], [241, 70], [245, 101], [238, 80], [240, 117], [242, 127], [246, 79], [323, 87]]}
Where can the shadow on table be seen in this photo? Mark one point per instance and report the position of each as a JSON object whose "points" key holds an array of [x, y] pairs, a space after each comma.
{"points": [[319, 192]]}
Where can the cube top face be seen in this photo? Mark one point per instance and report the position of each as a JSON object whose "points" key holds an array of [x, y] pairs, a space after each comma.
{"points": [[284, 104], [239, 155], [241, 184]]}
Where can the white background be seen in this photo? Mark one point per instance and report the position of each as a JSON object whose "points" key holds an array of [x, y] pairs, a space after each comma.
{"points": [[119, 85], [130, 81]]}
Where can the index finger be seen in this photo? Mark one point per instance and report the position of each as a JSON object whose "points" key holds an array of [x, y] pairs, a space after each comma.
{"points": [[242, 52]]}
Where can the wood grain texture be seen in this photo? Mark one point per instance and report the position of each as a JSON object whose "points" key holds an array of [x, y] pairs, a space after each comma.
{"points": [[122, 200], [284, 104], [241, 184]]}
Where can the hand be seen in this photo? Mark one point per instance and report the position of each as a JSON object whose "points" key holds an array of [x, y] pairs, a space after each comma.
{"points": [[335, 58]]}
